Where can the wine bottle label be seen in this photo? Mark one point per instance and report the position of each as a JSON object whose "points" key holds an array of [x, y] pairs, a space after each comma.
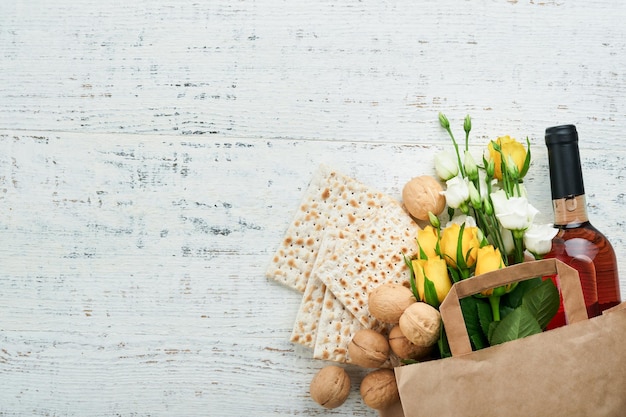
{"points": [[570, 210]]}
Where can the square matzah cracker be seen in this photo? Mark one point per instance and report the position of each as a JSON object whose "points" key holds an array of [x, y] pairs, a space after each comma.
{"points": [[337, 327], [363, 260], [331, 200], [306, 325], [335, 330], [323, 323]]}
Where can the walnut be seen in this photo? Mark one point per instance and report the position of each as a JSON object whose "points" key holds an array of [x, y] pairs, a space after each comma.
{"points": [[423, 194], [330, 386], [403, 347], [368, 349], [421, 323], [388, 301], [379, 389]]}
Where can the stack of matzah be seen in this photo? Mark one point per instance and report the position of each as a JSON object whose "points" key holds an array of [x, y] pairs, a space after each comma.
{"points": [[344, 240]]}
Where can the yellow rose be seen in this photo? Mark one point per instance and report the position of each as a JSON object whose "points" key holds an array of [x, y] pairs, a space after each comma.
{"points": [[489, 259], [511, 149], [435, 270], [427, 240], [469, 245]]}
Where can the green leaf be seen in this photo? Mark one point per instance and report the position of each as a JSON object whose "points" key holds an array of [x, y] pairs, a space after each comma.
{"points": [[469, 307], [527, 160], [430, 293], [467, 255], [442, 343], [485, 316], [409, 265], [460, 259], [520, 323], [454, 273], [542, 302], [492, 327], [505, 311], [514, 298], [478, 341]]}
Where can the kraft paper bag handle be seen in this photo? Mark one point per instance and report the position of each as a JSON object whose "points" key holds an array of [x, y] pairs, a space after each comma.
{"points": [[450, 308]]}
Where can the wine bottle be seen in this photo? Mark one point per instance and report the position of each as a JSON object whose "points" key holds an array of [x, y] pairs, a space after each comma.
{"points": [[577, 242]]}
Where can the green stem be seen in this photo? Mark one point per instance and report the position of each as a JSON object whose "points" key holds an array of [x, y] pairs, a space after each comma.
{"points": [[519, 248], [494, 301], [489, 225], [518, 189], [456, 149]]}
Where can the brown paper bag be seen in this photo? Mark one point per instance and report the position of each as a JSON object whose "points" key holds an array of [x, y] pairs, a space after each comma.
{"points": [[575, 370]]}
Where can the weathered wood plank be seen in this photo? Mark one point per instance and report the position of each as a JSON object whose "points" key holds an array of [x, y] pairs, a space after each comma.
{"points": [[329, 70], [153, 154], [132, 279]]}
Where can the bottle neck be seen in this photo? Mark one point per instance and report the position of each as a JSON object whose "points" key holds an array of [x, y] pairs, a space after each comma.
{"points": [[570, 211]]}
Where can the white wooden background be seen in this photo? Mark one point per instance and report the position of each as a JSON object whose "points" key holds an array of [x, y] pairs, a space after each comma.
{"points": [[152, 154]]}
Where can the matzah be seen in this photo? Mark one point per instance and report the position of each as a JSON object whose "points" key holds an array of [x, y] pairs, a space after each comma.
{"points": [[323, 323], [336, 210], [335, 330], [306, 324], [331, 200], [309, 314], [372, 256], [337, 327]]}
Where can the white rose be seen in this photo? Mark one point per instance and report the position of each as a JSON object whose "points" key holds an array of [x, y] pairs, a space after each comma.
{"points": [[514, 213], [446, 165], [538, 238], [457, 191]]}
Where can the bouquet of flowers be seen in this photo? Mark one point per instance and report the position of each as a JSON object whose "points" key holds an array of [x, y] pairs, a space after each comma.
{"points": [[490, 225]]}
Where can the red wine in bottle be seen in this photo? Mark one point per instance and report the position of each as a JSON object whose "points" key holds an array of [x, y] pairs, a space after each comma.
{"points": [[577, 242]]}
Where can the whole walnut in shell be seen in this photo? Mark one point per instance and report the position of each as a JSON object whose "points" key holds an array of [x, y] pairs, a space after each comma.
{"points": [[368, 349], [423, 194], [421, 323], [379, 389], [330, 387], [388, 301], [403, 347]]}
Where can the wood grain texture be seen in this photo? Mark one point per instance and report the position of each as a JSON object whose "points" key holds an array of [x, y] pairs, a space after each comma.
{"points": [[133, 268], [152, 154], [324, 70]]}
